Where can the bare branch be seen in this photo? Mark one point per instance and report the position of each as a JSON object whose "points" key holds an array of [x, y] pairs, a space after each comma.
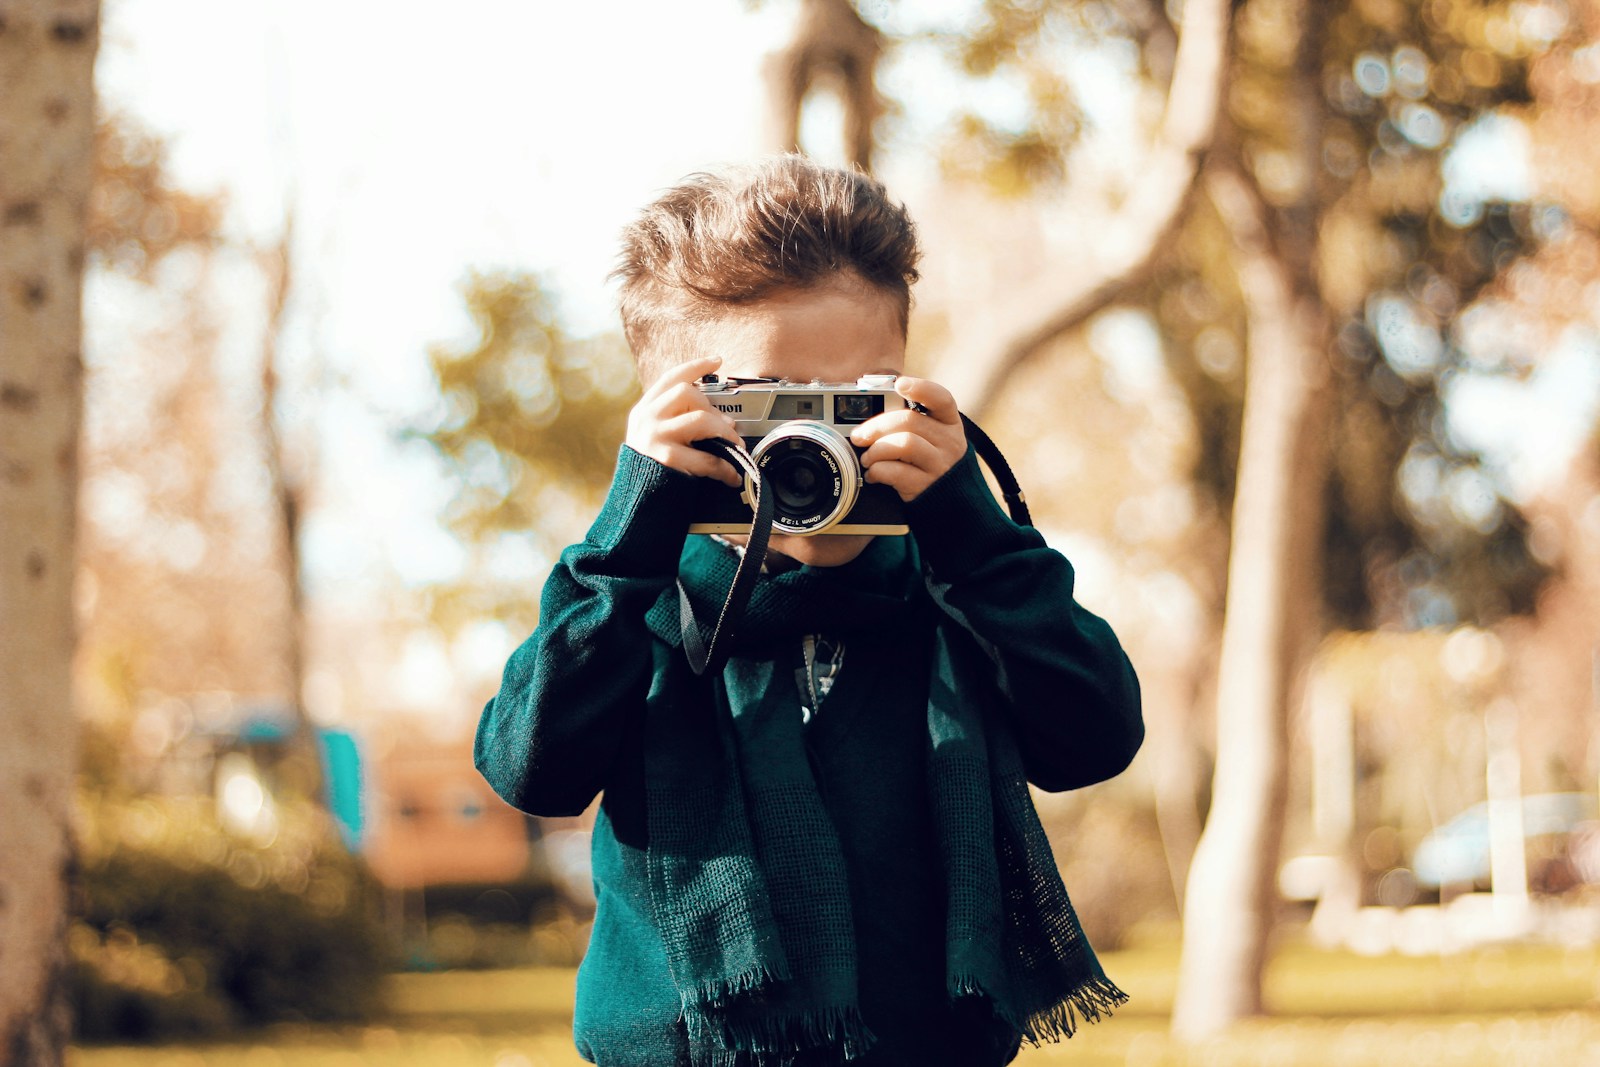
{"points": [[976, 361]]}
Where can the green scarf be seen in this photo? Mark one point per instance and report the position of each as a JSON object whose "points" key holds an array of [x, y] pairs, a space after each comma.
{"points": [[747, 880]]}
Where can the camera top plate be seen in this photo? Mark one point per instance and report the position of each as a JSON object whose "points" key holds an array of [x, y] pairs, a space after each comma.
{"points": [[715, 383], [760, 405]]}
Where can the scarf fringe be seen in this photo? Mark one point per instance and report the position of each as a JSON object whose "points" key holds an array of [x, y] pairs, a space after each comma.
{"points": [[775, 1040], [1095, 999], [720, 991]]}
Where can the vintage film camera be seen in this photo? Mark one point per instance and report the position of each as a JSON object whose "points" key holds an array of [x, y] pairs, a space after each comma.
{"points": [[798, 435]]}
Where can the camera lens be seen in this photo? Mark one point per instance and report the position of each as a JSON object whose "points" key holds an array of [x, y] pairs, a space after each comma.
{"points": [[813, 475], [797, 477]]}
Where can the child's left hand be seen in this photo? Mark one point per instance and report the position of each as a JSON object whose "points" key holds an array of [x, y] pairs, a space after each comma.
{"points": [[909, 450]]}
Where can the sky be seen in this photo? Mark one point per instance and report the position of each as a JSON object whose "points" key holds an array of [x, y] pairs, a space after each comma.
{"points": [[519, 135], [503, 133]]}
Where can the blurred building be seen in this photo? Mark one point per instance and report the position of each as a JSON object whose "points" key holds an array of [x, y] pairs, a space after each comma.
{"points": [[437, 822]]}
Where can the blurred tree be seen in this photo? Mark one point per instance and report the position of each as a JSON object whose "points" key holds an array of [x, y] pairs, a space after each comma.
{"points": [[1135, 222], [1401, 253], [1543, 319], [1343, 117], [182, 595], [189, 561], [288, 477], [832, 49], [1268, 624], [1270, 613], [530, 420], [136, 215], [47, 52]]}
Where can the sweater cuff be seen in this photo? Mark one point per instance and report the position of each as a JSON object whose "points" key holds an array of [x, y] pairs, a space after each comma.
{"points": [[646, 515], [958, 523]]}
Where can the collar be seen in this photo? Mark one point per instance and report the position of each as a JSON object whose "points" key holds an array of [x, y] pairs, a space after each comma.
{"points": [[882, 586]]}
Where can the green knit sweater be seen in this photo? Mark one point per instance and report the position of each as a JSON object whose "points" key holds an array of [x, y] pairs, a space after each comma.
{"points": [[567, 724]]}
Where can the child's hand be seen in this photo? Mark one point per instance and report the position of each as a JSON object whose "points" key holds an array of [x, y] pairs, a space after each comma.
{"points": [[673, 414], [909, 450]]}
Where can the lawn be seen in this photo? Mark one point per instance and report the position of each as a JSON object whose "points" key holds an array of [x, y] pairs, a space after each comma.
{"points": [[1498, 1007]]}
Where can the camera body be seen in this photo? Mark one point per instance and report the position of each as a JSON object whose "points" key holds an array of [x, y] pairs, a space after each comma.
{"points": [[799, 436]]}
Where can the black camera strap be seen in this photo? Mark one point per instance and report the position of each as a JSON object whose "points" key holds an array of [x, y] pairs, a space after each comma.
{"points": [[712, 656], [1010, 488]]}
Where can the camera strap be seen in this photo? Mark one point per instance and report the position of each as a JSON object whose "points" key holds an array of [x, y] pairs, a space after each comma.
{"points": [[712, 656], [1010, 488]]}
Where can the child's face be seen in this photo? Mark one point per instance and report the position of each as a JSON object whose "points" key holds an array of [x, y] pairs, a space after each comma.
{"points": [[834, 333]]}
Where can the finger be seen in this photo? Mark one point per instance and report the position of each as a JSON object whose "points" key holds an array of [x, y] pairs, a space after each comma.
{"points": [[907, 481], [907, 420], [683, 373], [939, 401], [902, 448], [679, 398], [691, 460], [699, 425]]}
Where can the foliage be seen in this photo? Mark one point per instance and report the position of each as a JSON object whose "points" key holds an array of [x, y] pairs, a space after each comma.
{"points": [[184, 928], [1028, 43], [525, 405], [530, 419], [1401, 257], [136, 215]]}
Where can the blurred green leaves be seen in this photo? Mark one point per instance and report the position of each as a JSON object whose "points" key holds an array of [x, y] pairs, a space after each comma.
{"points": [[526, 407], [529, 420], [183, 928]]}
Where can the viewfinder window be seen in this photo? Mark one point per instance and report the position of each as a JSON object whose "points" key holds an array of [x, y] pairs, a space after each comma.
{"points": [[856, 407]]}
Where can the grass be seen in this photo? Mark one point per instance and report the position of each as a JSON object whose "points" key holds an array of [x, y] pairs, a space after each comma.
{"points": [[1496, 1007]]}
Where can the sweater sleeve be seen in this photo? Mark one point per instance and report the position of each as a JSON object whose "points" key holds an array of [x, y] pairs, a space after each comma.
{"points": [[574, 692], [1071, 691]]}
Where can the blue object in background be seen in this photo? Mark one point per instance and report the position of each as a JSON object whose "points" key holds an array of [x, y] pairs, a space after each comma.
{"points": [[1457, 852], [340, 755], [341, 785]]}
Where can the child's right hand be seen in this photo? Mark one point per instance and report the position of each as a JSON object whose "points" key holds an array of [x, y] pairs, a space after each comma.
{"points": [[673, 414]]}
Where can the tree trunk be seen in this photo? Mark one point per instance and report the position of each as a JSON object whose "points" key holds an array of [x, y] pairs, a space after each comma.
{"points": [[832, 46], [286, 481], [1272, 614], [978, 359], [1277, 517], [47, 50]]}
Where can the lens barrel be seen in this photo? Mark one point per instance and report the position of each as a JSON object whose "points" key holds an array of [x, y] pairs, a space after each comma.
{"points": [[813, 473]]}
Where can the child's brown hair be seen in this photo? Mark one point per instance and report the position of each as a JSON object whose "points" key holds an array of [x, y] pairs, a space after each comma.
{"points": [[731, 237]]}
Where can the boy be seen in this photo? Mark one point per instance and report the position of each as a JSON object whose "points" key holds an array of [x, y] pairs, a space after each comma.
{"points": [[826, 853]]}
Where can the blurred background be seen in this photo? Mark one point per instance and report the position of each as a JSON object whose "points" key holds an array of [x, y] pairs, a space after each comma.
{"points": [[1287, 314]]}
